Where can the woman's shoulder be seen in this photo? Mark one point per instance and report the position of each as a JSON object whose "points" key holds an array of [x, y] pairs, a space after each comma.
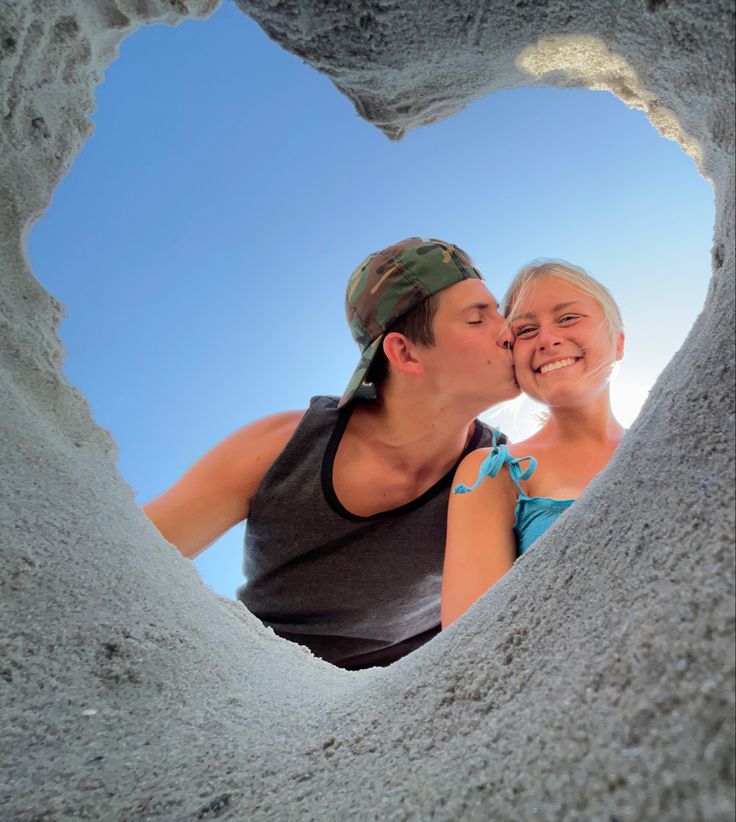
{"points": [[477, 456], [482, 469], [534, 446], [498, 453]]}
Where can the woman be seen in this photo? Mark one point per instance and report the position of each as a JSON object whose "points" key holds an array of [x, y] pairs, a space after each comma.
{"points": [[568, 334]]}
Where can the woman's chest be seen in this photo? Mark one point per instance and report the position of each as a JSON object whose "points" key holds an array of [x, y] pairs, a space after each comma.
{"points": [[561, 474]]}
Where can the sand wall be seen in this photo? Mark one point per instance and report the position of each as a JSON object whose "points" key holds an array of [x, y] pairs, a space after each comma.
{"points": [[596, 682]]}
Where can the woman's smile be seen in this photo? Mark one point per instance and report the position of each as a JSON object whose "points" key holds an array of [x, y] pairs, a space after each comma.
{"points": [[555, 365], [563, 346]]}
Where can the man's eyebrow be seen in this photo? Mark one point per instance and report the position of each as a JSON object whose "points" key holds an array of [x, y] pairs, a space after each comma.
{"points": [[481, 306], [530, 315]]}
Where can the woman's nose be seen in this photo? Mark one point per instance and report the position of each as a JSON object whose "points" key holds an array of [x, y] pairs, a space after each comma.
{"points": [[547, 338]]}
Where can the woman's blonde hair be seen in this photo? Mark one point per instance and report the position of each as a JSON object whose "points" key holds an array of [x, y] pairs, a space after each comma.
{"points": [[572, 274]]}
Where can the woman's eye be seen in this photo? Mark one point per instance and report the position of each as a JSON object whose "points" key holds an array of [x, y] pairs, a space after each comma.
{"points": [[568, 318], [524, 331]]}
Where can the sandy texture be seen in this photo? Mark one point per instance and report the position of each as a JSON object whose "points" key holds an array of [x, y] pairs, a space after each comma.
{"points": [[596, 682]]}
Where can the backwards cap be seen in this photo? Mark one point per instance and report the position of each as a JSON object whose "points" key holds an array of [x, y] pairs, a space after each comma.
{"points": [[389, 283]]}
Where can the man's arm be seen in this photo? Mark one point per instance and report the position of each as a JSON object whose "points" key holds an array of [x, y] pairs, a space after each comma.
{"points": [[481, 546], [216, 492]]}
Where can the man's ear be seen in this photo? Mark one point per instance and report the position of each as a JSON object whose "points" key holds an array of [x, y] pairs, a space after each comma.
{"points": [[400, 351], [620, 337]]}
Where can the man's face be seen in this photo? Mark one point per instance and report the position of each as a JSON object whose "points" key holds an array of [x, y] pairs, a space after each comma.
{"points": [[471, 360]]}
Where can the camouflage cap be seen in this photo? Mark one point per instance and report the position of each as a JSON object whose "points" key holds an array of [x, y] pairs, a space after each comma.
{"points": [[389, 283]]}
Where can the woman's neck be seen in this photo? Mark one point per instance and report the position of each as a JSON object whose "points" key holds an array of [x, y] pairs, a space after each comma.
{"points": [[593, 421]]}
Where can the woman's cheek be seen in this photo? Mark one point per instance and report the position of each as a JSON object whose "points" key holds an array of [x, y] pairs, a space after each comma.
{"points": [[521, 356], [522, 368]]}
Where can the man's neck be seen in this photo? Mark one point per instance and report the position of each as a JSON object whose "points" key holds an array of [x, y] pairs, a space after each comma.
{"points": [[411, 432], [393, 450]]}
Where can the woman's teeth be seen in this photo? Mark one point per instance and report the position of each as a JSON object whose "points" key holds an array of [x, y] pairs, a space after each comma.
{"points": [[554, 366]]}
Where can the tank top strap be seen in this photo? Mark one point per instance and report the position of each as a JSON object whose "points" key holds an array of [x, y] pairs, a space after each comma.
{"points": [[497, 457]]}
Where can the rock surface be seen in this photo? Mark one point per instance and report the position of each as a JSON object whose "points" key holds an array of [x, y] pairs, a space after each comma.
{"points": [[596, 683]]}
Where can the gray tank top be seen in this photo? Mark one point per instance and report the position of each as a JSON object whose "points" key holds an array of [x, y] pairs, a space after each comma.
{"points": [[357, 591]]}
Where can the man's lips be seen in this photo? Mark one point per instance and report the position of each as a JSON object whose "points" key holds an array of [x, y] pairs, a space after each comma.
{"points": [[556, 365]]}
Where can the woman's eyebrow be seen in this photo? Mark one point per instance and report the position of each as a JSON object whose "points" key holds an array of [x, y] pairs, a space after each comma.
{"points": [[530, 315]]}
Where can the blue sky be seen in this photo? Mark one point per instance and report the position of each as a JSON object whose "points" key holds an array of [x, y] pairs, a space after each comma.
{"points": [[202, 239]]}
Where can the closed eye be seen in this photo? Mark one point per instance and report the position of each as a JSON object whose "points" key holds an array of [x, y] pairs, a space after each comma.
{"points": [[525, 331], [567, 319]]}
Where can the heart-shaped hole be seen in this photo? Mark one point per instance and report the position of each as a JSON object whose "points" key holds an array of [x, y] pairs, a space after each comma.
{"points": [[204, 237]]}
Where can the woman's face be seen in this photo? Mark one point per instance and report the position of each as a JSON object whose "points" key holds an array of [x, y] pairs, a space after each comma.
{"points": [[563, 351]]}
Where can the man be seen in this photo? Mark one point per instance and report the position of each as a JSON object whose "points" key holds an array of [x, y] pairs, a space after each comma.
{"points": [[347, 502]]}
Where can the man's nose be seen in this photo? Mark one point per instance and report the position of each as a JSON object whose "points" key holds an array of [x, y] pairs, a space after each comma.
{"points": [[505, 339]]}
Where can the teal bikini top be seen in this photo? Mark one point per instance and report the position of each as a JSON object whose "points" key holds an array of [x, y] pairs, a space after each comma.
{"points": [[532, 515]]}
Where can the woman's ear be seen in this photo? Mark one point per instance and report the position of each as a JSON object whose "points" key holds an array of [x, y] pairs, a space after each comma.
{"points": [[400, 351], [620, 345]]}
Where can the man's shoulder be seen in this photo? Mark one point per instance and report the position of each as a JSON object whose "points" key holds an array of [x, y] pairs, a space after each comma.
{"points": [[261, 441], [328, 402], [486, 435], [282, 425], [281, 433]]}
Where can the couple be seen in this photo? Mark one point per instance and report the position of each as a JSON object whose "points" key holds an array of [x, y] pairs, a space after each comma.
{"points": [[347, 502]]}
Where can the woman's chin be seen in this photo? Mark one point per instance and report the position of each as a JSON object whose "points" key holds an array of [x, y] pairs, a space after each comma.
{"points": [[556, 396], [531, 391]]}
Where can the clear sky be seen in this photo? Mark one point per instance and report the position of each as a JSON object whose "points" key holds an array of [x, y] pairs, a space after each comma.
{"points": [[203, 238]]}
